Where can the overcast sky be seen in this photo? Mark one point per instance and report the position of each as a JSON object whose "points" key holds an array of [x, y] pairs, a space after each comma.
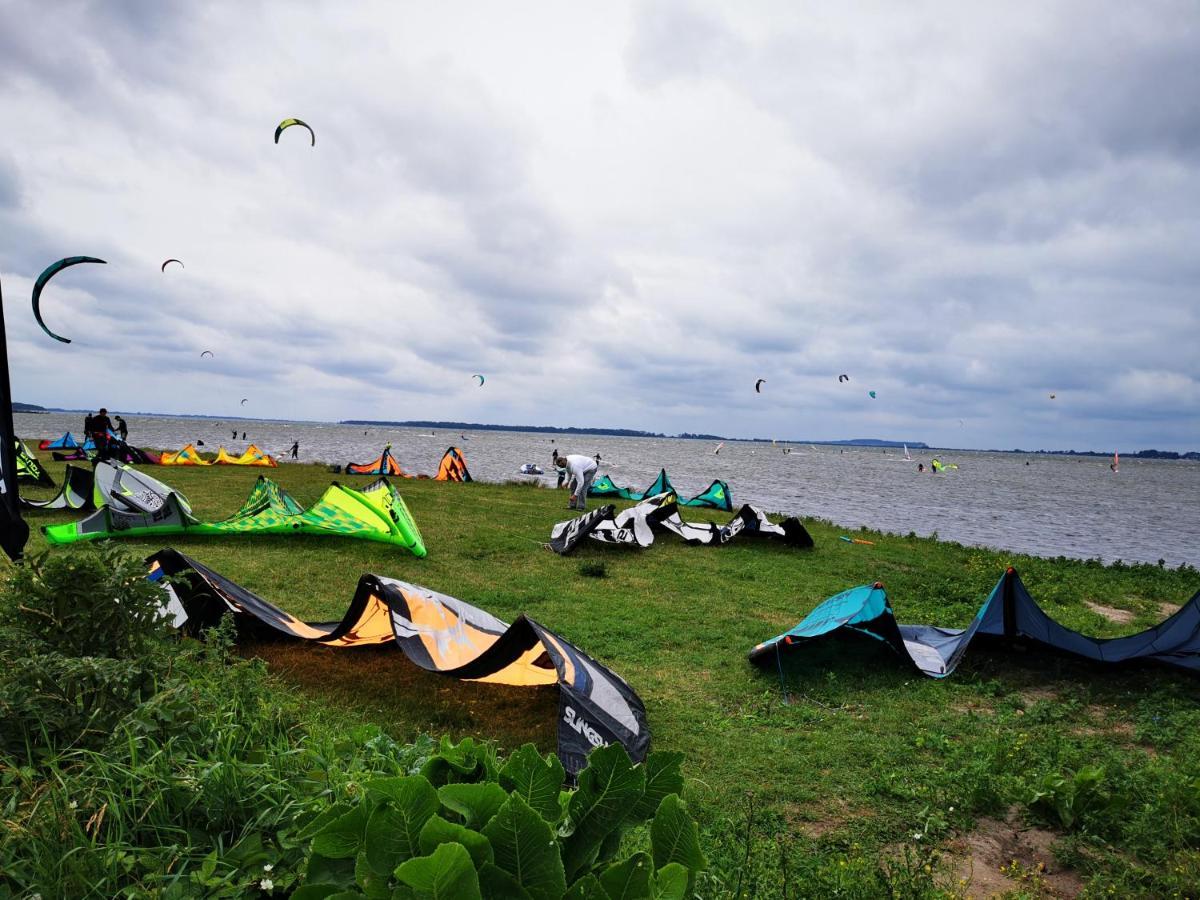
{"points": [[622, 214]]}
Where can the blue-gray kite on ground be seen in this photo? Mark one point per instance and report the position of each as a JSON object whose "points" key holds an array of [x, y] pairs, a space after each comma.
{"points": [[1010, 614]]}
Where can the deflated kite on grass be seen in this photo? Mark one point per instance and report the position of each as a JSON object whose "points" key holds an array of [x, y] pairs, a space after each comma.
{"points": [[438, 633], [1009, 613], [132, 504], [638, 525]]}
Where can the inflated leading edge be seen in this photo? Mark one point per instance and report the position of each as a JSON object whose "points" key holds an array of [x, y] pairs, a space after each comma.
{"points": [[440, 634], [1008, 613], [637, 526]]}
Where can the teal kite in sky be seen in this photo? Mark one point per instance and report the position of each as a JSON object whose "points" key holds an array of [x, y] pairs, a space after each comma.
{"points": [[49, 272]]}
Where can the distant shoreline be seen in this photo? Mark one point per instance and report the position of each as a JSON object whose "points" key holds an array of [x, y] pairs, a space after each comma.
{"points": [[1192, 456]]}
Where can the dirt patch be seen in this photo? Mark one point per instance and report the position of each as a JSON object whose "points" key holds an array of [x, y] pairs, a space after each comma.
{"points": [[987, 853], [834, 815], [1120, 616], [1168, 609]]}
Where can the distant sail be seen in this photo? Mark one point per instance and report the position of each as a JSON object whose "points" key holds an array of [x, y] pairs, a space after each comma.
{"points": [[1115, 465], [907, 455]]}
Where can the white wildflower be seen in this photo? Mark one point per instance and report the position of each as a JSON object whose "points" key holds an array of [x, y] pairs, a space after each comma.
{"points": [[267, 884], [267, 867]]}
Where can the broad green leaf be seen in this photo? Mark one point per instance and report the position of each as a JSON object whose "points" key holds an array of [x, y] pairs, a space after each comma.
{"points": [[372, 883], [321, 870], [674, 838], [671, 883], [468, 760], [525, 848], [394, 830], [342, 837], [438, 831], [476, 803], [628, 880], [609, 788], [446, 875], [663, 777], [537, 779], [586, 888], [496, 884]]}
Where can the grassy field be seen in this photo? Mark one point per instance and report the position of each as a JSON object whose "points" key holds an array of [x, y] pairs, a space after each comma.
{"points": [[865, 774]]}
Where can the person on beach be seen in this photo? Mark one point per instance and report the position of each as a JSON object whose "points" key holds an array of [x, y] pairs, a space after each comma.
{"points": [[243, 435], [122, 429], [101, 426], [296, 450], [234, 438], [580, 472], [560, 471], [920, 467]]}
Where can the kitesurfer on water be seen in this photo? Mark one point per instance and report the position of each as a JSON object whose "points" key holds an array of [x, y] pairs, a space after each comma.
{"points": [[580, 471], [296, 450], [234, 434]]}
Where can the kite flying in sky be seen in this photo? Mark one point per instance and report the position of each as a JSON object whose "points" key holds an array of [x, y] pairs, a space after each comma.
{"points": [[758, 385], [181, 265], [288, 123], [49, 272], [480, 377]]}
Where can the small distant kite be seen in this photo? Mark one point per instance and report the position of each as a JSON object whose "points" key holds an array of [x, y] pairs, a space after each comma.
{"points": [[49, 272], [1052, 396], [719, 446], [244, 399], [843, 378], [481, 379], [288, 123], [181, 265], [758, 385], [871, 394], [204, 352]]}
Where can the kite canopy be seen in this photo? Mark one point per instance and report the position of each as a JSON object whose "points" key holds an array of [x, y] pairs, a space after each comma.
{"points": [[843, 378], [252, 457], [480, 377], [439, 634], [209, 353], [1009, 613], [758, 385], [638, 525], [164, 265], [49, 272], [66, 442], [716, 496], [76, 492], [29, 468], [244, 399], [288, 123], [384, 464], [453, 466], [188, 456], [871, 394], [131, 504]]}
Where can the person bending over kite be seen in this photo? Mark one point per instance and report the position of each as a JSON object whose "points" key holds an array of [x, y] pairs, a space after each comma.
{"points": [[580, 472]]}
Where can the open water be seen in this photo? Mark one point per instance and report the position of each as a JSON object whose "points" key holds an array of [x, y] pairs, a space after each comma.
{"points": [[1054, 506]]}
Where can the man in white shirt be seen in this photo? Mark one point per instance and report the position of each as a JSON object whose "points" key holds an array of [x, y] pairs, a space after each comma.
{"points": [[580, 472]]}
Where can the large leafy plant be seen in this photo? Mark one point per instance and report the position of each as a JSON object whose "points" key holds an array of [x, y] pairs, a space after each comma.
{"points": [[466, 828]]}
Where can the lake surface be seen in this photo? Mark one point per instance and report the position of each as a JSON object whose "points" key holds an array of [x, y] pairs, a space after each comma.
{"points": [[1054, 506]]}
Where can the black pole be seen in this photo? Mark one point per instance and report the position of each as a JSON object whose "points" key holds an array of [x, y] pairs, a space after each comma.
{"points": [[14, 532]]}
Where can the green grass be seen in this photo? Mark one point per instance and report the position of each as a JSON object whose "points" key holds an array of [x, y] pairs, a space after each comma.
{"points": [[863, 753]]}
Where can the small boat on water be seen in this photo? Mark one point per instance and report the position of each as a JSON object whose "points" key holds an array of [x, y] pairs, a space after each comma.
{"points": [[532, 469]]}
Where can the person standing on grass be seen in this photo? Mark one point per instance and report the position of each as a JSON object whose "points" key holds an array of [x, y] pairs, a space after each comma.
{"points": [[580, 472], [296, 450], [122, 429], [101, 426]]}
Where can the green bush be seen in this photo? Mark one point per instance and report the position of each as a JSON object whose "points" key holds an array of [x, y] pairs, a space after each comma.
{"points": [[82, 642], [511, 832]]}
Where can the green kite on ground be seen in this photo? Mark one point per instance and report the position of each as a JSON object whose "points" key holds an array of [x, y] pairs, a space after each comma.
{"points": [[131, 504], [716, 496]]}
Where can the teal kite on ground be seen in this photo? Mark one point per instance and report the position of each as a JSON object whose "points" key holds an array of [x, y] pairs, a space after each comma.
{"points": [[716, 496]]}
